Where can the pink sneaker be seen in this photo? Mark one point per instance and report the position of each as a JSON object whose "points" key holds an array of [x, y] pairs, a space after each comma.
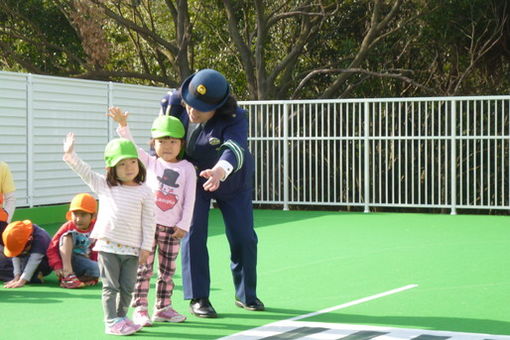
{"points": [[141, 317], [134, 325], [167, 314], [123, 326]]}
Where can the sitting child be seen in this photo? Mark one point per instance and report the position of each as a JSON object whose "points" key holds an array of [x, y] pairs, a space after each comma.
{"points": [[70, 252], [26, 243]]}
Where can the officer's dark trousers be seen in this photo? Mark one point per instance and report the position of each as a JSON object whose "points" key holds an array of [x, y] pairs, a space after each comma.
{"points": [[237, 213]]}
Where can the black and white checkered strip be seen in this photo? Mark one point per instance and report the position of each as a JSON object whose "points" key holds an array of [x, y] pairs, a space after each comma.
{"points": [[289, 330]]}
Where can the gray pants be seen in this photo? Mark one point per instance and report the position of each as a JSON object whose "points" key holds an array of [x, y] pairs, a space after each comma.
{"points": [[118, 274]]}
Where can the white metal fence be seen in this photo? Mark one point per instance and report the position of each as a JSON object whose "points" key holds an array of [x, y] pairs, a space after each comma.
{"points": [[36, 112], [402, 152], [448, 152]]}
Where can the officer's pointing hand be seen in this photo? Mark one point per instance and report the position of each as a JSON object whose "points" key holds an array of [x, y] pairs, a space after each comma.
{"points": [[214, 176]]}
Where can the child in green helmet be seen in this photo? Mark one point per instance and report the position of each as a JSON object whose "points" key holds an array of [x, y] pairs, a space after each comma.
{"points": [[173, 181], [124, 228]]}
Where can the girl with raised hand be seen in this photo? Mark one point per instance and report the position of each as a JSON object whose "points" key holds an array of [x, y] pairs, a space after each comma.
{"points": [[125, 225]]}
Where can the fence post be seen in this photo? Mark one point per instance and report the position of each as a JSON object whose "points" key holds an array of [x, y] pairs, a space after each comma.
{"points": [[453, 156], [285, 156], [366, 157], [30, 141]]}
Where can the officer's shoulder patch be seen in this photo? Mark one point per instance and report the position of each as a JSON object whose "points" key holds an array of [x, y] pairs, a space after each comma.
{"points": [[214, 141]]}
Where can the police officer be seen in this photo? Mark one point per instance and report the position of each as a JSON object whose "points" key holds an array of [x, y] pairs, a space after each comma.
{"points": [[217, 145]]}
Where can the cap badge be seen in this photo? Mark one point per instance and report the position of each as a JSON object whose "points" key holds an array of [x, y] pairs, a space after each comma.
{"points": [[201, 89]]}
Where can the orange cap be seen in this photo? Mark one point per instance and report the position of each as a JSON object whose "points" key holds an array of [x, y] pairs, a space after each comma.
{"points": [[15, 237], [84, 202]]}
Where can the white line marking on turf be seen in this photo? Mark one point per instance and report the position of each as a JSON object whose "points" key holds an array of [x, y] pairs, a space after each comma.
{"points": [[254, 332], [337, 331], [355, 302]]}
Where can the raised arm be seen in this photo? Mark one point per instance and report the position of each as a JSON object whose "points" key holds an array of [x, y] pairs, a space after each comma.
{"points": [[123, 131], [94, 180], [118, 116]]}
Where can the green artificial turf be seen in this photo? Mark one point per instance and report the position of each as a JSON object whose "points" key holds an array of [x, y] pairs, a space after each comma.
{"points": [[309, 261]]}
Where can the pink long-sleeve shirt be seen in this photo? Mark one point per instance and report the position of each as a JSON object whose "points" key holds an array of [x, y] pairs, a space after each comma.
{"points": [[173, 184]]}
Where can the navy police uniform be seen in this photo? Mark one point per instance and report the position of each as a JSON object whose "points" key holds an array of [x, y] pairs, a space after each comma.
{"points": [[223, 137]]}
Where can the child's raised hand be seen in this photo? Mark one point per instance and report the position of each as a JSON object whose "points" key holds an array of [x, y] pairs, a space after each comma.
{"points": [[116, 114], [69, 143]]}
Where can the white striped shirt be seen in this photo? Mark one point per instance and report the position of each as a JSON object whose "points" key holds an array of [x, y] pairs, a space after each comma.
{"points": [[126, 213]]}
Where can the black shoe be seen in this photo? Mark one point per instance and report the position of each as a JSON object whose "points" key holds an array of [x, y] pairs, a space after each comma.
{"points": [[201, 307], [256, 306]]}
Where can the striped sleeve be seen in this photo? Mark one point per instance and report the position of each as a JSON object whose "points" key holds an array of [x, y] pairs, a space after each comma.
{"points": [[235, 140], [95, 181], [148, 221], [237, 151]]}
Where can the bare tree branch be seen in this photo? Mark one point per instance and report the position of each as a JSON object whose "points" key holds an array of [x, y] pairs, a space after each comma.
{"points": [[397, 76], [144, 32], [376, 26], [242, 47], [482, 44], [105, 74]]}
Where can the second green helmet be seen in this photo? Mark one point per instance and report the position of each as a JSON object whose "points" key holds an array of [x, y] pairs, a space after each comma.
{"points": [[117, 150], [167, 126]]}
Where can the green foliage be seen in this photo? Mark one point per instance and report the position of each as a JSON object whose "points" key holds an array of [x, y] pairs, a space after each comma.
{"points": [[436, 47], [37, 32]]}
